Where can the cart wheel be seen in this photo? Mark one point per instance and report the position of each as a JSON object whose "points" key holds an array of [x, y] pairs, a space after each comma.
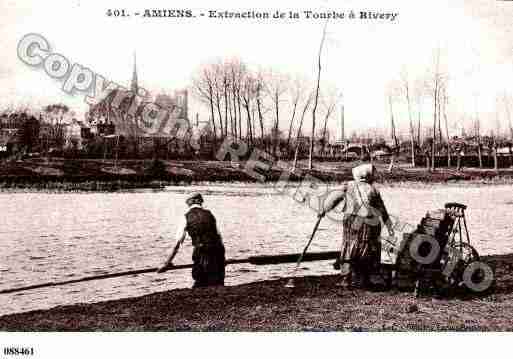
{"points": [[467, 254]]}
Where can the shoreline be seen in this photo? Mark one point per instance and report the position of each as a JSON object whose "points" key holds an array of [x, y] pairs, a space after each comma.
{"points": [[107, 176], [159, 186], [315, 304]]}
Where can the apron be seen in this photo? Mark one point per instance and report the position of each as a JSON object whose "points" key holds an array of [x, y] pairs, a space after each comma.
{"points": [[361, 248]]}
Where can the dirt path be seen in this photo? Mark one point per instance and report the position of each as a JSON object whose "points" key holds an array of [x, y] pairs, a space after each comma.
{"points": [[315, 304]]}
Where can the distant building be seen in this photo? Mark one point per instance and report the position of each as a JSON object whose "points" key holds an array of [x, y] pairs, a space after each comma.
{"points": [[20, 128], [73, 134], [177, 104], [127, 118], [202, 138], [12, 121], [10, 141]]}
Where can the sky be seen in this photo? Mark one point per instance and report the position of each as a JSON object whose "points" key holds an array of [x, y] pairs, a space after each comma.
{"points": [[361, 58]]}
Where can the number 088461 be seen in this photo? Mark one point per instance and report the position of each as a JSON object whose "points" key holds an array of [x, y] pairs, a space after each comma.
{"points": [[18, 351]]}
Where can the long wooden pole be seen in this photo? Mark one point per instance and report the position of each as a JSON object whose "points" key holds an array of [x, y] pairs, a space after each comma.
{"points": [[301, 258], [316, 98], [255, 260], [303, 255]]}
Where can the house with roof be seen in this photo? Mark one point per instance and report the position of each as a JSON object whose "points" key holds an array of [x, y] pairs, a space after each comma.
{"points": [[74, 134]]}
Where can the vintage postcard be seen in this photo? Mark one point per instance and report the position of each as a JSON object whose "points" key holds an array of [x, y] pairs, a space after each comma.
{"points": [[255, 166]]}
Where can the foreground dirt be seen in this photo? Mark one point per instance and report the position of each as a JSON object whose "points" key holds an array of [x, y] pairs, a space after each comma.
{"points": [[315, 304]]}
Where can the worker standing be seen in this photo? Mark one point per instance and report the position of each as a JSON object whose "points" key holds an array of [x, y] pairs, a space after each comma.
{"points": [[362, 210], [208, 255]]}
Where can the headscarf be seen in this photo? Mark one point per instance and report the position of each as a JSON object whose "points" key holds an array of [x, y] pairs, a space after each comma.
{"points": [[364, 173]]}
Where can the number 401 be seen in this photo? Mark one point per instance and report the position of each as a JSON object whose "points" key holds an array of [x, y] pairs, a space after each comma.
{"points": [[117, 12]]}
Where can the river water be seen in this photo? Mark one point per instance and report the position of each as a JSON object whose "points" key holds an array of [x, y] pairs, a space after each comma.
{"points": [[59, 236]]}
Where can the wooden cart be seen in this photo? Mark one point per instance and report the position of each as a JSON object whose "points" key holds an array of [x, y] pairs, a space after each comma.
{"points": [[434, 255]]}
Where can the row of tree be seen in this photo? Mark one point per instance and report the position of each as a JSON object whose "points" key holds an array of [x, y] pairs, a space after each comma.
{"points": [[257, 105], [412, 95]]}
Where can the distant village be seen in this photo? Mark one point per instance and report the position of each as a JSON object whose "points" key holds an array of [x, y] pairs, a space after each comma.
{"points": [[55, 131]]}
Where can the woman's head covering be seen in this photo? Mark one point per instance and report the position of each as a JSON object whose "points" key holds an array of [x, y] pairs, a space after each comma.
{"points": [[194, 198], [364, 173]]}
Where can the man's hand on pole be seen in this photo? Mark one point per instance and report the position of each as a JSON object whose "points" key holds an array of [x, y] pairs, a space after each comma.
{"points": [[169, 262]]}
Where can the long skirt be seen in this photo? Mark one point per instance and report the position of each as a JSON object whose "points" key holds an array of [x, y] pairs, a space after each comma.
{"points": [[208, 266], [360, 253]]}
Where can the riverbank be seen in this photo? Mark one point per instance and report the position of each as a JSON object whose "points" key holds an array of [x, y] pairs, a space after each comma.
{"points": [[107, 175], [315, 304]]}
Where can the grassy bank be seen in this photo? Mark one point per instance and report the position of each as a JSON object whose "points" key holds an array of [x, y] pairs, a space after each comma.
{"points": [[98, 175], [316, 303]]}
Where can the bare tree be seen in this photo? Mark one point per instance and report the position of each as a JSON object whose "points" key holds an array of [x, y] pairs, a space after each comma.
{"points": [[203, 88], [296, 94], [445, 101], [393, 133], [477, 122], [393, 92], [276, 86], [218, 89], [418, 92], [316, 95], [234, 84], [434, 84], [248, 95], [498, 128], [238, 72], [477, 129], [329, 101], [300, 128], [226, 84], [230, 113], [507, 109], [259, 89], [405, 80]]}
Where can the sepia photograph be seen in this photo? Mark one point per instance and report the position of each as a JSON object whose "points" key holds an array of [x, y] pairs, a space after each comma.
{"points": [[293, 166]]}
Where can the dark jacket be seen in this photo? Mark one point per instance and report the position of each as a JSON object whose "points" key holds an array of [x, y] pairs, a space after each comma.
{"points": [[202, 228]]}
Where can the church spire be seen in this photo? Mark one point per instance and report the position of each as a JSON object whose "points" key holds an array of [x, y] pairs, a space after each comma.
{"points": [[134, 87]]}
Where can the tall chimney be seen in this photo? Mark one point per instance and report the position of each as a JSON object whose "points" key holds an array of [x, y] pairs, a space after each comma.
{"points": [[342, 129]]}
